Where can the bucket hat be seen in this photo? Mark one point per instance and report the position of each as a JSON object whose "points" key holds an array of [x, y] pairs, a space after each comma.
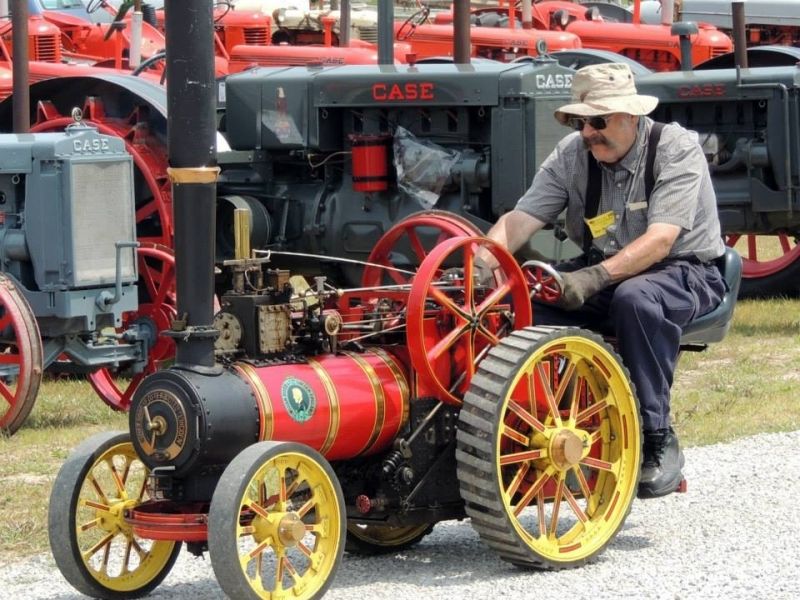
{"points": [[604, 89]]}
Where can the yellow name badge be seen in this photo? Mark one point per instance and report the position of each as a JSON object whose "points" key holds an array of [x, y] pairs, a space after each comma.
{"points": [[600, 223]]}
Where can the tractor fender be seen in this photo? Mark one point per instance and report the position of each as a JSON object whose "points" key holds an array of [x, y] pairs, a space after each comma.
{"points": [[120, 94], [757, 56]]}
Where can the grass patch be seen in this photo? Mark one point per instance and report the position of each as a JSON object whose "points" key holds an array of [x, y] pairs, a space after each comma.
{"points": [[66, 413], [744, 385]]}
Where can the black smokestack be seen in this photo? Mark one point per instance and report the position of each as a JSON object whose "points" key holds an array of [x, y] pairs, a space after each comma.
{"points": [[191, 107]]}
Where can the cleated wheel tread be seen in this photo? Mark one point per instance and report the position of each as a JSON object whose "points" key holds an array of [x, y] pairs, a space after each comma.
{"points": [[494, 480]]}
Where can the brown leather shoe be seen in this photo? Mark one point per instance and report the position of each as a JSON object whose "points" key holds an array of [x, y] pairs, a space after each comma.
{"points": [[661, 465]]}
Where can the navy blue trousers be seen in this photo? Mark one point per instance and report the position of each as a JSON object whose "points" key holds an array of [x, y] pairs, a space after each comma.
{"points": [[646, 314]]}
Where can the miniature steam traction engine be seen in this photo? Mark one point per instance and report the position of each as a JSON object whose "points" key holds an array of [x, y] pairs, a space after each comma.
{"points": [[304, 418], [372, 412]]}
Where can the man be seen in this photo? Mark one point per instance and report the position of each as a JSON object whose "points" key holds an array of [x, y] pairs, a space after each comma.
{"points": [[647, 267]]}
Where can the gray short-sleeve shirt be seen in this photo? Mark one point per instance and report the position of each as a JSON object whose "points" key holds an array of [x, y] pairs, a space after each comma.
{"points": [[682, 195]]}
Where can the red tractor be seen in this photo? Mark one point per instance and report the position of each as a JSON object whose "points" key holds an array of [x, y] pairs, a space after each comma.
{"points": [[657, 47], [96, 36], [494, 42]]}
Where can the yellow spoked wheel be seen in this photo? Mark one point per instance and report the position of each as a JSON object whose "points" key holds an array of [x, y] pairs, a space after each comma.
{"points": [[380, 539], [92, 544], [549, 447], [276, 527]]}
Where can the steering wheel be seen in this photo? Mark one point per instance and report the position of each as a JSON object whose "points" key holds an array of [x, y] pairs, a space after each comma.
{"points": [[150, 63], [94, 5], [544, 281], [227, 5], [406, 30]]}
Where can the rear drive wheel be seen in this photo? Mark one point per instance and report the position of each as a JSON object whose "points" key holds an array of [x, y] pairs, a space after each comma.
{"points": [[549, 447]]}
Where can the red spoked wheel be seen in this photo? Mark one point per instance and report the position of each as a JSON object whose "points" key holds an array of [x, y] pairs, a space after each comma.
{"points": [[152, 186], [157, 302], [451, 324], [408, 242], [770, 263], [545, 283], [20, 357]]}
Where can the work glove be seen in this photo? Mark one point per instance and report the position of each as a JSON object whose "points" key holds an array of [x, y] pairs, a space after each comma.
{"points": [[581, 285], [481, 272]]}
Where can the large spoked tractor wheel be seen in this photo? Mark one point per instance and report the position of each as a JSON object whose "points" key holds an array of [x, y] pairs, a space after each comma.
{"points": [[276, 527], [549, 447], [20, 357], [93, 545]]}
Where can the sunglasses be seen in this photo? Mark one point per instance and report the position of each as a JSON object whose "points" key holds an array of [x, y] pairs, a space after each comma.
{"points": [[598, 123]]}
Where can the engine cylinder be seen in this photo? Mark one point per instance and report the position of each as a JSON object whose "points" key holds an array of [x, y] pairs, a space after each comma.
{"points": [[346, 405]]}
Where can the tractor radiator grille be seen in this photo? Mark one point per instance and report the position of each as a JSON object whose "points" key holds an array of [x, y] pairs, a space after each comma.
{"points": [[256, 36], [47, 48], [368, 33], [102, 214]]}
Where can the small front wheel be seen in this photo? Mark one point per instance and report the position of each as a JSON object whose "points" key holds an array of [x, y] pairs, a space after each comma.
{"points": [[93, 545], [276, 526]]}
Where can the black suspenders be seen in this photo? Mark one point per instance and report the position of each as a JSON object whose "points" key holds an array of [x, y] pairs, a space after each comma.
{"points": [[594, 182]]}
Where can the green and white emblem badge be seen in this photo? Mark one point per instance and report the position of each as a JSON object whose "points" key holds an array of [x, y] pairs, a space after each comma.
{"points": [[298, 399]]}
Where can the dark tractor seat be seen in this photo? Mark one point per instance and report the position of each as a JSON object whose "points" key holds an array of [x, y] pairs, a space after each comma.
{"points": [[713, 326]]}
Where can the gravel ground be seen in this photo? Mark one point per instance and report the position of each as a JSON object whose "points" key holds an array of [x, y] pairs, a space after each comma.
{"points": [[732, 535]]}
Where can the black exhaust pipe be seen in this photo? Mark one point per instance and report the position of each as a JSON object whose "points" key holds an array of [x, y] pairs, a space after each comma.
{"points": [[461, 40], [191, 106], [344, 24], [385, 32], [19, 67], [739, 34]]}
